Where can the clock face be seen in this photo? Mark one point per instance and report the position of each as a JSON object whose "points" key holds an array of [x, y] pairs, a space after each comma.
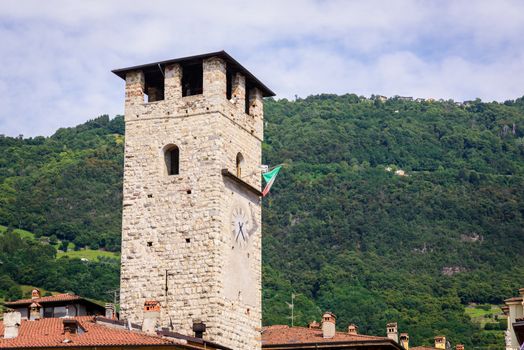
{"points": [[240, 226]]}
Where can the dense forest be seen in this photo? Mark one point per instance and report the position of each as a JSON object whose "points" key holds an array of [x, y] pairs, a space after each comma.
{"points": [[385, 211]]}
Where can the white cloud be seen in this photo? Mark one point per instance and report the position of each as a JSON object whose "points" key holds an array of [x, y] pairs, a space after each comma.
{"points": [[56, 55]]}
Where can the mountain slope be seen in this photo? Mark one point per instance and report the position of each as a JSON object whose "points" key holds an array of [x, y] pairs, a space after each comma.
{"points": [[340, 231], [375, 247]]}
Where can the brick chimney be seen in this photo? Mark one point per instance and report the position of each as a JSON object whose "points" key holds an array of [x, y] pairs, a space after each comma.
{"points": [[329, 321], [72, 326], [35, 294], [12, 322], [314, 325], [440, 342], [151, 316], [353, 329], [110, 311], [34, 311], [459, 347], [392, 331], [404, 340]]}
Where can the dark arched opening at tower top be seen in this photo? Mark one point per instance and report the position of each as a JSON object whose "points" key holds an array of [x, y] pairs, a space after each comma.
{"points": [[192, 79]]}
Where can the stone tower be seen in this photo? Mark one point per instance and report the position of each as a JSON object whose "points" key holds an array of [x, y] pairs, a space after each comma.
{"points": [[191, 226]]}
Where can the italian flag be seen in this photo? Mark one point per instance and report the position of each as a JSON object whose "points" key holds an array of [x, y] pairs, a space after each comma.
{"points": [[270, 177]]}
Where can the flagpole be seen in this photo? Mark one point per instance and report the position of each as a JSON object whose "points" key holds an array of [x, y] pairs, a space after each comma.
{"points": [[292, 309], [273, 167]]}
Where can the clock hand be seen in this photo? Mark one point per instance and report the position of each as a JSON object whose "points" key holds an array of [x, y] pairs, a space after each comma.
{"points": [[236, 236], [240, 226]]}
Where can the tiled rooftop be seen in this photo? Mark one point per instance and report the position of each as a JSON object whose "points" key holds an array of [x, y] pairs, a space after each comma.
{"points": [[49, 332], [53, 298], [296, 335]]}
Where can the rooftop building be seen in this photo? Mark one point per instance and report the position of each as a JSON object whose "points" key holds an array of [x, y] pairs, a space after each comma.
{"points": [[286, 337], [89, 332], [59, 305], [514, 309], [323, 335]]}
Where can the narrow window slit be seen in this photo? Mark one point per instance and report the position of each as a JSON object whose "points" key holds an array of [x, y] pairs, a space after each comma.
{"points": [[239, 164], [229, 83], [249, 93], [172, 160]]}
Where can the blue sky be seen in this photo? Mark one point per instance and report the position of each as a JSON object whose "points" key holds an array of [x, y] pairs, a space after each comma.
{"points": [[56, 56]]}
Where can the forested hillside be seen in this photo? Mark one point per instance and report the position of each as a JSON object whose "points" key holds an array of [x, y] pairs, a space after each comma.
{"points": [[340, 230]]}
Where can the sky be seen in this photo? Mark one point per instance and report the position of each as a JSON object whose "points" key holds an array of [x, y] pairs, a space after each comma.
{"points": [[56, 56]]}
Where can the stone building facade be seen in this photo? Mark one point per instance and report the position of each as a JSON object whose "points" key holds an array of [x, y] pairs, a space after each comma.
{"points": [[514, 310], [191, 230]]}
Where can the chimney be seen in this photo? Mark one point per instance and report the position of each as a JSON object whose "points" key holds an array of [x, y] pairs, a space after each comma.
{"points": [[353, 329], [440, 342], [314, 325], [328, 325], [110, 311], [459, 347], [392, 331], [404, 340], [199, 328], [12, 321], [34, 311], [72, 326], [151, 316], [35, 294]]}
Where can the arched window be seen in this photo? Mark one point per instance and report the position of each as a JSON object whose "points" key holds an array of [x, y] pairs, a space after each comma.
{"points": [[240, 163], [172, 159]]}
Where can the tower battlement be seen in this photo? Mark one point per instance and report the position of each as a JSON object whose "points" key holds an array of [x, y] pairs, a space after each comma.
{"points": [[213, 82]]}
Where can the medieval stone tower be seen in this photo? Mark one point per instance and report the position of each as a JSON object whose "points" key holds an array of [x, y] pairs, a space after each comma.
{"points": [[191, 231]]}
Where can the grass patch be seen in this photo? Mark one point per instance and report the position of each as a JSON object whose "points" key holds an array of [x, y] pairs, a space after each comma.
{"points": [[481, 314], [22, 233], [475, 311], [90, 254], [70, 246]]}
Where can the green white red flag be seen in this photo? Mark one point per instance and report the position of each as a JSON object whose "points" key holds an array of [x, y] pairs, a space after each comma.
{"points": [[269, 178]]}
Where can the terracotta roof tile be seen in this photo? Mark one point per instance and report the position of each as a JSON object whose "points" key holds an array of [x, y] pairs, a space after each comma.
{"points": [[48, 332], [52, 298], [514, 299], [295, 335]]}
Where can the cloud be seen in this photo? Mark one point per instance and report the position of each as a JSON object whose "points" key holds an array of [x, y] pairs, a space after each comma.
{"points": [[56, 55]]}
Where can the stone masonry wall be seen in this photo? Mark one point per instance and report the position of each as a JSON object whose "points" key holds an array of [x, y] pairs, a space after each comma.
{"points": [[179, 225]]}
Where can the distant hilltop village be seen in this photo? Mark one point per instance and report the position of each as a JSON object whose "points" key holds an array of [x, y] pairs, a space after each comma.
{"points": [[382, 98]]}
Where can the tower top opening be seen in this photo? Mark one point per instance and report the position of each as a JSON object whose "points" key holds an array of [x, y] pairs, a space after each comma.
{"points": [[156, 70]]}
